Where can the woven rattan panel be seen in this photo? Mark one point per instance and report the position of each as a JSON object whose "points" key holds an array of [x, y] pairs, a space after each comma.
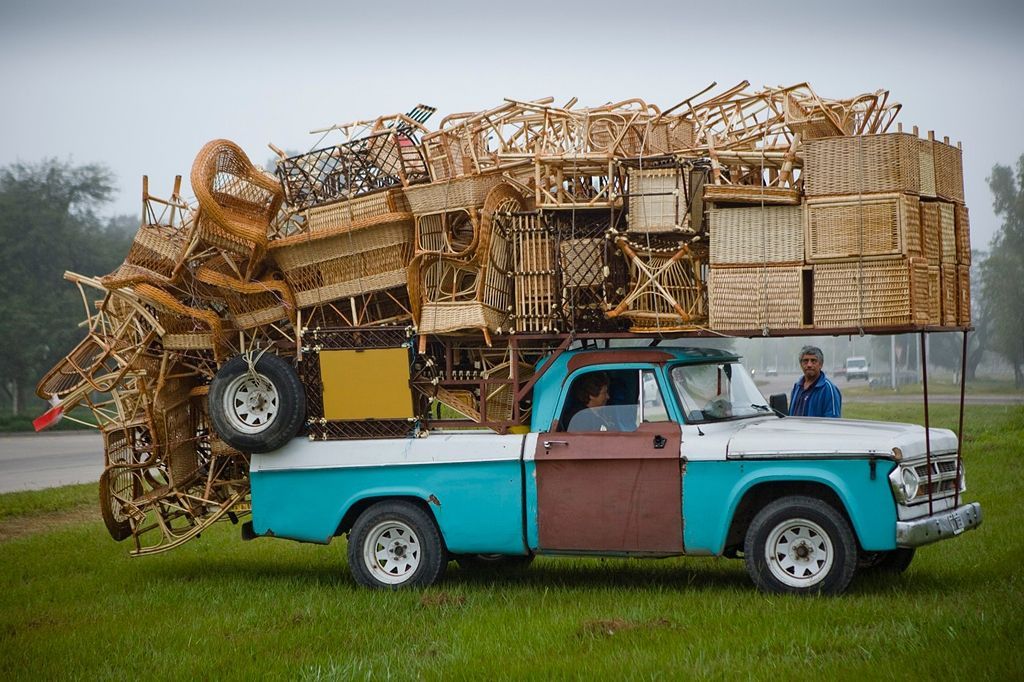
{"points": [[876, 225], [867, 164], [753, 298], [883, 293], [755, 235]]}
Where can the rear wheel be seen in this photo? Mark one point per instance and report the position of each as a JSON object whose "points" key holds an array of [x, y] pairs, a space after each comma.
{"points": [[395, 544], [800, 545]]}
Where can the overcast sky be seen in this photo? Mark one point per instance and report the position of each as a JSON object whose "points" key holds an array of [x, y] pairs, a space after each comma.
{"points": [[141, 86]]}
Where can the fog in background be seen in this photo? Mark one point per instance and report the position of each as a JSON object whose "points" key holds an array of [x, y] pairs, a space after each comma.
{"points": [[141, 86]]}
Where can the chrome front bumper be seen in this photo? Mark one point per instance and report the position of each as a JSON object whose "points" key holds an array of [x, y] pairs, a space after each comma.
{"points": [[939, 526]]}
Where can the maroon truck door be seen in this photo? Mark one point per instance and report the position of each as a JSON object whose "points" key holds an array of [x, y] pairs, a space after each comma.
{"points": [[613, 491]]}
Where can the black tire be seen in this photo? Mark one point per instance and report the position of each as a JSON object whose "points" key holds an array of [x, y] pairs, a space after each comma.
{"points": [[261, 413], [493, 562], [395, 544], [894, 561], [800, 545]]}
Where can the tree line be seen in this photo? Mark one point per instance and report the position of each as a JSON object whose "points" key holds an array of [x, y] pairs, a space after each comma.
{"points": [[49, 223]]}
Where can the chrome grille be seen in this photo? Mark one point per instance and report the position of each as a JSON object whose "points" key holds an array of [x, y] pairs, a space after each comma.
{"points": [[943, 478]]}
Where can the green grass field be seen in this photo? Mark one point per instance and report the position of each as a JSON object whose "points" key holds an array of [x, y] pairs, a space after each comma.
{"points": [[74, 605]]}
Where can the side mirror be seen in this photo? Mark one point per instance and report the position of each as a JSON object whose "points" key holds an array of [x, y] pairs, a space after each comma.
{"points": [[780, 403]]}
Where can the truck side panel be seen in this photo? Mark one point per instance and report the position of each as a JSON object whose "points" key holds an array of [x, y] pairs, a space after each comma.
{"points": [[713, 490], [471, 483]]}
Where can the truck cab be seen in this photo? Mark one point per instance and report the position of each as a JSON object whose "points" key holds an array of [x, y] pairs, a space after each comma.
{"points": [[631, 452], [857, 368]]}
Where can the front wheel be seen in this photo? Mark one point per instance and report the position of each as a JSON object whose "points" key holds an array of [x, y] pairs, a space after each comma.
{"points": [[800, 545], [395, 544], [894, 561]]}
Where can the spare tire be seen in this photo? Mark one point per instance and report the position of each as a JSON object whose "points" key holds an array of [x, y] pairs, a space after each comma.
{"points": [[259, 410]]}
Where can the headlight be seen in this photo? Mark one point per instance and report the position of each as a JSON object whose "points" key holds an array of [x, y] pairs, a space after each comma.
{"points": [[911, 483], [905, 484]]}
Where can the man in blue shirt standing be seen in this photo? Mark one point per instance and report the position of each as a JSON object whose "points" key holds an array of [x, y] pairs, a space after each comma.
{"points": [[813, 394]]}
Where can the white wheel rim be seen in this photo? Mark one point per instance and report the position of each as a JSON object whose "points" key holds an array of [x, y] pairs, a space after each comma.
{"points": [[251, 403], [392, 552], [799, 553]]}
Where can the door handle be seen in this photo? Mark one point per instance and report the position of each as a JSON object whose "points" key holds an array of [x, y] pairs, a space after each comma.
{"points": [[549, 443], [659, 442]]}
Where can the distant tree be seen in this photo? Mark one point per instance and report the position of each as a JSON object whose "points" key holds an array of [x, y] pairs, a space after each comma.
{"points": [[48, 224], [1002, 272]]}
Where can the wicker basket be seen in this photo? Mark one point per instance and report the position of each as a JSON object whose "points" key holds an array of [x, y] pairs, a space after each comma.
{"points": [[962, 227], [882, 293], [949, 172], [963, 296], [359, 212], [862, 164], [752, 236], [949, 286], [657, 200], [850, 227], [755, 298], [348, 264], [437, 197]]}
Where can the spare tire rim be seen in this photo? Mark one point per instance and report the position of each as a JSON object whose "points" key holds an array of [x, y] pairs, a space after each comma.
{"points": [[251, 403], [799, 553], [391, 552]]}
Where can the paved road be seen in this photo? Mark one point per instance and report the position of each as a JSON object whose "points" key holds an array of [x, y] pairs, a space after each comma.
{"points": [[31, 461]]}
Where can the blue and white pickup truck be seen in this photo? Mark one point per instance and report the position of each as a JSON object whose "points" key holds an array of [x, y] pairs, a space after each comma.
{"points": [[684, 457]]}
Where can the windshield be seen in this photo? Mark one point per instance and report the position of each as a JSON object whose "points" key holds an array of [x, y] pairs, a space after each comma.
{"points": [[714, 392], [856, 363]]}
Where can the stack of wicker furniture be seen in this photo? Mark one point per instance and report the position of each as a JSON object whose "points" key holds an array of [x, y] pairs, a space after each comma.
{"points": [[481, 246]]}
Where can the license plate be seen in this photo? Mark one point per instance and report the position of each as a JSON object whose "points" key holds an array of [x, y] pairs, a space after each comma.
{"points": [[956, 522]]}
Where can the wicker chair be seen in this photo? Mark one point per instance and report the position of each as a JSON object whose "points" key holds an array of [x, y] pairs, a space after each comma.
{"points": [[162, 244], [450, 293], [185, 328], [250, 304], [237, 202]]}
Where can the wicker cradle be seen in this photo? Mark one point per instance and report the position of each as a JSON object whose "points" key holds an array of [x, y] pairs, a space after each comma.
{"points": [[237, 202], [865, 225], [326, 266], [744, 236], [879, 293]]}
